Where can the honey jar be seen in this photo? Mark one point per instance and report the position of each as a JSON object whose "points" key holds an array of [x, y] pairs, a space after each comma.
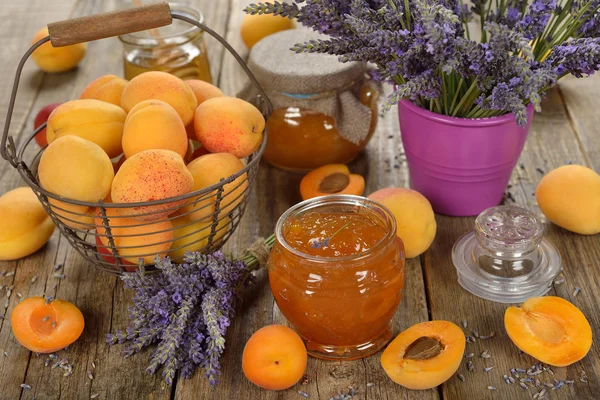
{"points": [[337, 274], [178, 49], [325, 111]]}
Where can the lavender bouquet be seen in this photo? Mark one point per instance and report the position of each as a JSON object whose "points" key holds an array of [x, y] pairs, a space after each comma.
{"points": [[425, 47], [185, 309]]}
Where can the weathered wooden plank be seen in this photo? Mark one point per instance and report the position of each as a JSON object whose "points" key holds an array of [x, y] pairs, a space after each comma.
{"points": [[550, 144]]}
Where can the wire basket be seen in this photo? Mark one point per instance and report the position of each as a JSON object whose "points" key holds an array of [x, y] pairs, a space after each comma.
{"points": [[117, 237]]}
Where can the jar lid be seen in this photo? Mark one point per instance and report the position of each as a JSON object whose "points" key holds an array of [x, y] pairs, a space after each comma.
{"points": [[280, 69]]}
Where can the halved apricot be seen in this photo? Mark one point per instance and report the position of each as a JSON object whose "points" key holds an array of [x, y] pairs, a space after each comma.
{"points": [[425, 355], [274, 358], [46, 327], [549, 329], [331, 179]]}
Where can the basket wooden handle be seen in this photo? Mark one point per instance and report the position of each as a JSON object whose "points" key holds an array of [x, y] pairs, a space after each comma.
{"points": [[100, 26]]}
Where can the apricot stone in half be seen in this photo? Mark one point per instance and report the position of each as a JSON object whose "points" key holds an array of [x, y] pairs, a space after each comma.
{"points": [[331, 179], [46, 327], [425, 355], [549, 329]]}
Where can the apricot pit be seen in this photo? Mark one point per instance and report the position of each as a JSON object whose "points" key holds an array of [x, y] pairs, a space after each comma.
{"points": [[331, 179]]}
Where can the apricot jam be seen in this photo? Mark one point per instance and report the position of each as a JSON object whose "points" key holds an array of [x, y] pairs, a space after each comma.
{"points": [[301, 140], [337, 274]]}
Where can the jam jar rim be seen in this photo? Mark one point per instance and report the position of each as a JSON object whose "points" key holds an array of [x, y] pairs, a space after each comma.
{"points": [[340, 199], [175, 6]]}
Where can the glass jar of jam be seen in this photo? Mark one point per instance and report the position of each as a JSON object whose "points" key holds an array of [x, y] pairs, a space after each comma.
{"points": [[325, 111], [178, 49], [337, 274]]}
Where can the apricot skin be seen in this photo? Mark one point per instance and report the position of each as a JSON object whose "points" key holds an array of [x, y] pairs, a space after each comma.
{"points": [[107, 88], [193, 236], [569, 196], [203, 90], [24, 225], [93, 120], [310, 184], [161, 86], [39, 336], [76, 168], [550, 329], [208, 170], [274, 358], [256, 27], [229, 125], [151, 175], [154, 124], [56, 59], [425, 374], [73, 215], [415, 220]]}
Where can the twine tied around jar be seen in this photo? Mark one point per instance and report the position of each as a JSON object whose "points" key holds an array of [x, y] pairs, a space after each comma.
{"points": [[312, 81]]}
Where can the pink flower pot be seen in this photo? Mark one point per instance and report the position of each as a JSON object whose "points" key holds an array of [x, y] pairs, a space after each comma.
{"points": [[462, 166]]}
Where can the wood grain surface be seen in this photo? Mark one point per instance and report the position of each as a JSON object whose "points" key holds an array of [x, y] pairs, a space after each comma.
{"points": [[566, 131]]}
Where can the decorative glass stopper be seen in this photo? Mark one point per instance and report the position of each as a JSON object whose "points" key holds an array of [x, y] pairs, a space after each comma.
{"points": [[506, 258]]}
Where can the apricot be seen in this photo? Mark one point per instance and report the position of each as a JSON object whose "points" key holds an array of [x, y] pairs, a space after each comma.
{"points": [[203, 90], [105, 253], [161, 86], [425, 355], [208, 170], [148, 176], [154, 124], [76, 168], [331, 179], [193, 236], [24, 225], [415, 221], [569, 196], [108, 88], [256, 27], [549, 329], [46, 327], [134, 239], [93, 120], [274, 358], [56, 59], [72, 215], [229, 125]]}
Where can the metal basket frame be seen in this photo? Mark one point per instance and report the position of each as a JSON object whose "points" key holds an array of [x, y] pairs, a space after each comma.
{"points": [[79, 233]]}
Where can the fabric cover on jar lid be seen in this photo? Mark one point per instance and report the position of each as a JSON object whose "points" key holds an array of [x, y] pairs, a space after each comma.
{"points": [[314, 81]]}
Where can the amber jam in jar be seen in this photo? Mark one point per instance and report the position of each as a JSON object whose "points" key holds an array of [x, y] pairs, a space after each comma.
{"points": [[178, 49], [337, 274], [300, 139]]}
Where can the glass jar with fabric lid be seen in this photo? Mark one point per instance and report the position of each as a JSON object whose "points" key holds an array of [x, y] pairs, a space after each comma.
{"points": [[325, 111]]}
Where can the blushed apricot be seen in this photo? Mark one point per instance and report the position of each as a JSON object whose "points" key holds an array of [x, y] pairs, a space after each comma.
{"points": [[24, 225], [331, 179], [569, 196], [425, 355], [229, 125], [203, 90], [148, 176], [73, 215], [46, 327], [107, 88], [76, 168], [161, 86], [549, 329], [93, 120], [256, 27], [274, 358], [154, 124], [415, 220], [135, 239], [193, 236], [208, 170], [56, 59]]}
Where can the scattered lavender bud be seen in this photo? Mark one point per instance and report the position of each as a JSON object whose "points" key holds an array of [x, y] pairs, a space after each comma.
{"points": [[469, 355], [570, 382], [559, 281], [34, 279], [19, 295], [549, 370], [11, 273], [576, 291], [524, 386], [49, 299], [470, 366], [520, 370], [46, 318], [58, 266], [52, 356], [5, 354], [55, 365], [511, 379], [3, 273], [542, 392], [558, 385], [488, 369], [93, 365], [60, 276], [475, 333], [47, 362], [526, 380], [464, 323], [303, 394], [534, 373], [461, 377], [53, 324], [537, 383], [25, 386], [491, 387], [370, 384], [5, 304], [95, 396], [68, 373], [536, 395]]}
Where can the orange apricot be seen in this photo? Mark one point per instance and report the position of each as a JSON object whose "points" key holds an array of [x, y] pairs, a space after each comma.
{"points": [[73, 215], [256, 27], [425, 355], [274, 358], [107, 88], [203, 90], [56, 59], [193, 236], [549, 329], [331, 179], [46, 327]]}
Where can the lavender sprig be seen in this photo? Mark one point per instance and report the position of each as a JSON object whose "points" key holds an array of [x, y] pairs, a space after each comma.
{"points": [[185, 309]]}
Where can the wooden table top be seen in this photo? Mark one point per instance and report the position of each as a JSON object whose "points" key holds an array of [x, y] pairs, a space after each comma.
{"points": [[566, 131]]}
